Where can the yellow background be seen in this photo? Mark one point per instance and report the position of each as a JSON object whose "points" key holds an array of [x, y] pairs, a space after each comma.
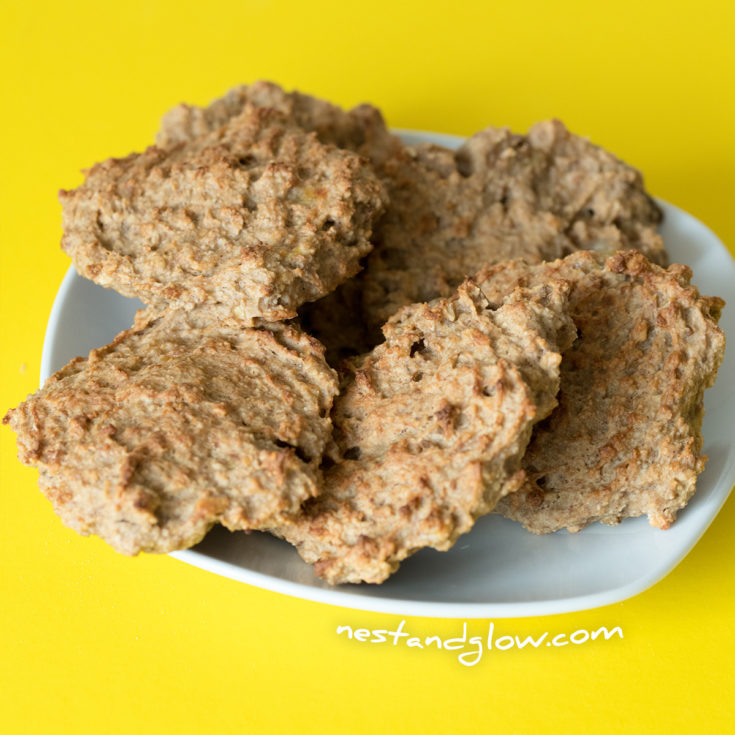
{"points": [[94, 642]]}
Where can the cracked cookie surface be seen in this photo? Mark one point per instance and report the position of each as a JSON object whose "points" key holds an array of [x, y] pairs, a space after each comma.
{"points": [[500, 196], [626, 437], [361, 129], [257, 214], [186, 419], [430, 428]]}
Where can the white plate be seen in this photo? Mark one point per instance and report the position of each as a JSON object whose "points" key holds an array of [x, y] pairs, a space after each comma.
{"points": [[497, 570]]}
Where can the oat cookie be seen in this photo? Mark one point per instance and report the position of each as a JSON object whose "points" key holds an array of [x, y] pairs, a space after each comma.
{"points": [[257, 214], [186, 419], [336, 319], [538, 197], [626, 437], [361, 129], [430, 428]]}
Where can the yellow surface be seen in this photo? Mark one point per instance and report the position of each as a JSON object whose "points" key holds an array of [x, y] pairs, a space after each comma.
{"points": [[94, 642]]}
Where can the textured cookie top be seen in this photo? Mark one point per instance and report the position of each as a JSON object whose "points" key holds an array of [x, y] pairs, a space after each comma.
{"points": [[538, 197], [626, 438], [336, 319], [257, 215], [361, 129], [430, 428], [186, 419]]}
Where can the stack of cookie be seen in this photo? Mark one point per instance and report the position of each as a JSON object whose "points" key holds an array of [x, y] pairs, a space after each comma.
{"points": [[362, 346]]}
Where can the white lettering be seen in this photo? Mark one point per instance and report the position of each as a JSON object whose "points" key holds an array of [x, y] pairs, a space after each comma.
{"points": [[606, 633], [398, 633], [509, 643], [535, 643], [471, 651], [464, 657], [460, 641]]}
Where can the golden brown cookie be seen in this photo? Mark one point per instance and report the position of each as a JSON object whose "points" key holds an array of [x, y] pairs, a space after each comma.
{"points": [[430, 429], [257, 215], [187, 419], [538, 197], [360, 129], [336, 319], [626, 437]]}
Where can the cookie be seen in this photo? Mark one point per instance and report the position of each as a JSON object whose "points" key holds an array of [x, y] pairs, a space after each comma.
{"points": [[186, 419], [430, 429], [626, 437], [538, 197], [257, 215], [361, 129]]}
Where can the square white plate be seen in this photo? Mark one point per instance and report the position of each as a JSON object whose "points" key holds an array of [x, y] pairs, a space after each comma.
{"points": [[497, 570]]}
